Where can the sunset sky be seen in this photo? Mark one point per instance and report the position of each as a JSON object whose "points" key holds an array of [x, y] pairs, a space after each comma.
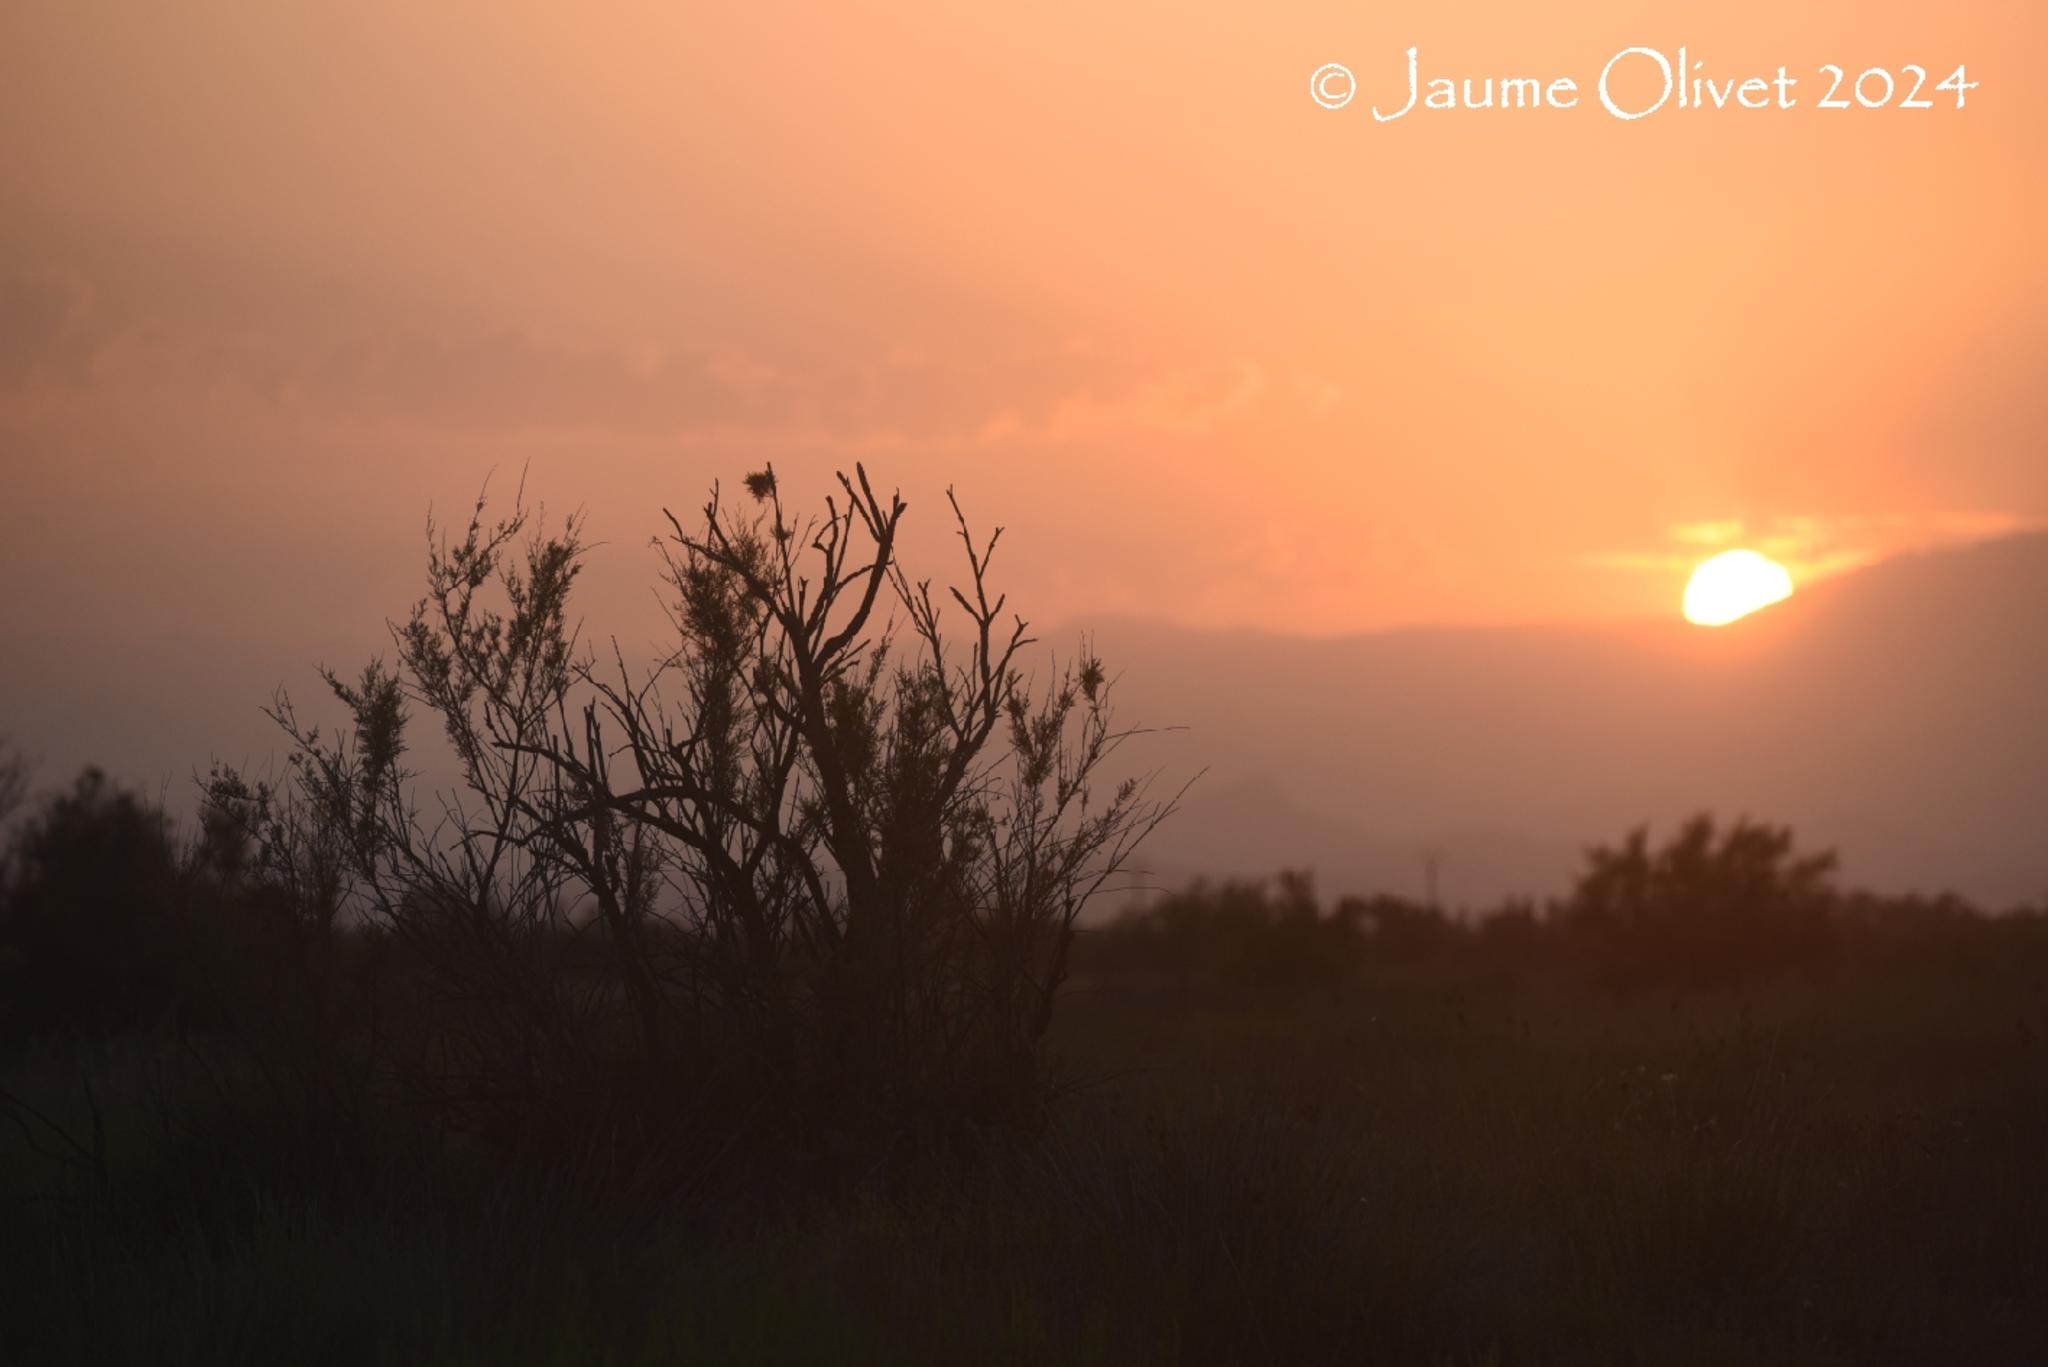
{"points": [[275, 278]]}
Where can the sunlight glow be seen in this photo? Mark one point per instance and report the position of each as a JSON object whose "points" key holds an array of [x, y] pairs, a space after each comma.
{"points": [[1732, 585]]}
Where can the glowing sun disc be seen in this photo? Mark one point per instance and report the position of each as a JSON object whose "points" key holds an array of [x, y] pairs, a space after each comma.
{"points": [[1732, 585]]}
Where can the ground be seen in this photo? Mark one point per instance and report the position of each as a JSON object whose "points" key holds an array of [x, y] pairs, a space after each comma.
{"points": [[1429, 1166]]}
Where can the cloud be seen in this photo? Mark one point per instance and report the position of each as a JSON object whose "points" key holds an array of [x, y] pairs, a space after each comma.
{"points": [[1719, 533], [1815, 545], [56, 338], [512, 378]]}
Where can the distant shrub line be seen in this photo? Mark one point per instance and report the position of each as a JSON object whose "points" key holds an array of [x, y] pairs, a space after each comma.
{"points": [[1714, 906]]}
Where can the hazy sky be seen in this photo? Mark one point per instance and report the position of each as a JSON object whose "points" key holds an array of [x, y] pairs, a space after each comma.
{"points": [[274, 277]]}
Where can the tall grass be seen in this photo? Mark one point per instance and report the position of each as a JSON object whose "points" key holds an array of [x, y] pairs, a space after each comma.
{"points": [[1428, 1172]]}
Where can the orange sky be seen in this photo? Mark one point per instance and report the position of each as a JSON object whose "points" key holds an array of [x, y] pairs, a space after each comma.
{"points": [[275, 277]]}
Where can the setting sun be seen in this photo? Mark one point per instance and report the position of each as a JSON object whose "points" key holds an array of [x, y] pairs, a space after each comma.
{"points": [[1732, 585]]}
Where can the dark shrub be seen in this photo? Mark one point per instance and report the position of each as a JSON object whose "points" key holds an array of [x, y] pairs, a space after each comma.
{"points": [[832, 843], [1255, 942], [90, 915], [1710, 906]]}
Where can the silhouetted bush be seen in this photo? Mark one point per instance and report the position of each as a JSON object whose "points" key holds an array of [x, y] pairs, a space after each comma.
{"points": [[833, 863], [1709, 906], [109, 922], [90, 919]]}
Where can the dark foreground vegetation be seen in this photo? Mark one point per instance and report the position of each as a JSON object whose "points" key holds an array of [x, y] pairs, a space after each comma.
{"points": [[1484, 1153], [713, 1020]]}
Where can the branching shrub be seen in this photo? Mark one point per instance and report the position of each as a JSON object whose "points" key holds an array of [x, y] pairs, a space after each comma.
{"points": [[835, 850]]}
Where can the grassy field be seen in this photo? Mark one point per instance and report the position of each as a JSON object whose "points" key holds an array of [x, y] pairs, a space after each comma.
{"points": [[1426, 1168]]}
